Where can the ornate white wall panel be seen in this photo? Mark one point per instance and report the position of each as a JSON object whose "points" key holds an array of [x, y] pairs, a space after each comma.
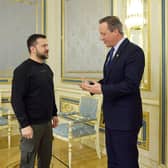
{"points": [[19, 19], [83, 53]]}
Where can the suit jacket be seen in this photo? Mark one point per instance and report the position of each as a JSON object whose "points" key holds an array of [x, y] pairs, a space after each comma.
{"points": [[122, 107]]}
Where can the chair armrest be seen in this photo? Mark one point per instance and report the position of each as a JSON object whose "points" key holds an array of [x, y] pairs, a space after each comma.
{"points": [[75, 120], [63, 114], [81, 120]]}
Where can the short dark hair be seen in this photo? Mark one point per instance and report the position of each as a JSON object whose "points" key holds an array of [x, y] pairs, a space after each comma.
{"points": [[113, 23], [32, 39]]}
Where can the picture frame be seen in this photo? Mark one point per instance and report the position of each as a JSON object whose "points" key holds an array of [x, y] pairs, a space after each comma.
{"points": [[20, 20], [82, 52]]}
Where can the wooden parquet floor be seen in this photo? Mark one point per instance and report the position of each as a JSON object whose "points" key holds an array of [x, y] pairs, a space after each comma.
{"points": [[82, 156]]}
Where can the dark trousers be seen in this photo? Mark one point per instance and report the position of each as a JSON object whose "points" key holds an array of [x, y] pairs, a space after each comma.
{"points": [[121, 147], [40, 145]]}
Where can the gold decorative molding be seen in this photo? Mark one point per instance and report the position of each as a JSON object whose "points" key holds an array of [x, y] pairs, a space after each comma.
{"points": [[143, 137], [140, 34], [69, 104], [29, 2]]}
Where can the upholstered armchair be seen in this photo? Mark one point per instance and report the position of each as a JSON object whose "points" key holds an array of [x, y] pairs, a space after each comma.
{"points": [[5, 122], [81, 125]]}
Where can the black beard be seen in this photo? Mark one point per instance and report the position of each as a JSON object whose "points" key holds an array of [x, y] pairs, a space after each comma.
{"points": [[42, 57]]}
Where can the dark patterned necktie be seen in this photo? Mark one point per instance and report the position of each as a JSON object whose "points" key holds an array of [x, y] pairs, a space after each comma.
{"points": [[110, 57], [109, 60]]}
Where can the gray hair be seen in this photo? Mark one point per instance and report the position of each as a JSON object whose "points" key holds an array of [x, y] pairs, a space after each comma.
{"points": [[113, 23]]}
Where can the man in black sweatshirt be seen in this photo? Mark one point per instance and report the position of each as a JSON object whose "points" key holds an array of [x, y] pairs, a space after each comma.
{"points": [[33, 102]]}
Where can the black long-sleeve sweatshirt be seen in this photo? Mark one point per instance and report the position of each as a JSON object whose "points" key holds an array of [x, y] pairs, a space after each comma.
{"points": [[33, 97]]}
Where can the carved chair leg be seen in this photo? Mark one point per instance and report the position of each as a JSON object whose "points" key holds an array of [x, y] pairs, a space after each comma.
{"points": [[98, 146], [70, 155]]}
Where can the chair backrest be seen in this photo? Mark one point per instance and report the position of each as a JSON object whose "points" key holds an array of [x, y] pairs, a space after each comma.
{"points": [[3, 121], [3, 113], [88, 107], [0, 98]]}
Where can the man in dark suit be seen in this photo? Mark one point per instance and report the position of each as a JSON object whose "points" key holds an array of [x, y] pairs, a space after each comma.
{"points": [[122, 107]]}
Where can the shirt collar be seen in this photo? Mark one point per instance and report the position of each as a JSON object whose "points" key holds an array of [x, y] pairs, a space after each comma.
{"points": [[118, 45]]}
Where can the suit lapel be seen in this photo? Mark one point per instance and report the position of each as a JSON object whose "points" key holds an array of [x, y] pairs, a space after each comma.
{"points": [[121, 48], [116, 57]]}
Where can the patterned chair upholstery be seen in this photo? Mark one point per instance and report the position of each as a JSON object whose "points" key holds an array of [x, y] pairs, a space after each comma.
{"points": [[79, 127], [3, 120]]}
